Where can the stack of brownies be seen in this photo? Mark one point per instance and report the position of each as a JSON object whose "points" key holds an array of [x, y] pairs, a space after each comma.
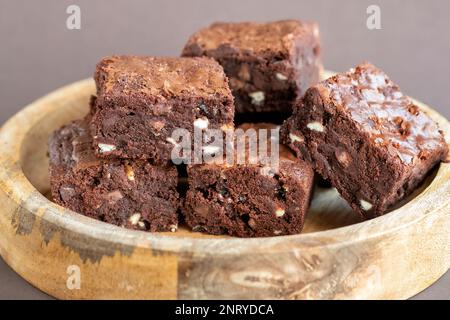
{"points": [[355, 129]]}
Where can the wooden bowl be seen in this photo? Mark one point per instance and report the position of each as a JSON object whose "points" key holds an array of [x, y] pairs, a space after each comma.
{"points": [[68, 255]]}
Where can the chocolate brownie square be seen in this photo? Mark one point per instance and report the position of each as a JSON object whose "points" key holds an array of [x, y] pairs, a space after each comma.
{"points": [[269, 64], [129, 193], [363, 134], [247, 200], [142, 100]]}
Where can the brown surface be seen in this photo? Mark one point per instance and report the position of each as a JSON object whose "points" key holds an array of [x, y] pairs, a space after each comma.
{"points": [[141, 101], [129, 193], [159, 78], [40, 54], [268, 65], [246, 200], [334, 258], [360, 132], [256, 37]]}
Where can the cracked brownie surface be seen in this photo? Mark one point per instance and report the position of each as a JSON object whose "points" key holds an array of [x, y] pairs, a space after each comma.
{"points": [[369, 139], [142, 100], [269, 65]]}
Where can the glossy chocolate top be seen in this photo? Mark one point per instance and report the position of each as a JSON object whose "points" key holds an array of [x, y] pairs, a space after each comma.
{"points": [[380, 109], [275, 36], [160, 77]]}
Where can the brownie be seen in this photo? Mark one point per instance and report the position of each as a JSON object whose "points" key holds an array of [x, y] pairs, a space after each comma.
{"points": [[269, 64], [247, 200], [366, 137], [129, 193], [141, 100]]}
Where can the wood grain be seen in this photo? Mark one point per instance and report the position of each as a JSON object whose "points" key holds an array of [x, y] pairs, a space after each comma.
{"points": [[336, 257]]}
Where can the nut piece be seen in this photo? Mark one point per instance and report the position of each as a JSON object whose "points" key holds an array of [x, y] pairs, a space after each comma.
{"points": [[158, 126], [315, 126], [134, 219], [201, 123], [244, 73], [141, 224], [67, 193], [366, 206], [114, 196], [252, 223], [279, 212], [257, 97], [105, 148], [129, 171], [281, 76], [295, 138], [343, 157]]}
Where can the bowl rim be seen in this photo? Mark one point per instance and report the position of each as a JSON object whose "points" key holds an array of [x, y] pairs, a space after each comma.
{"points": [[20, 190]]}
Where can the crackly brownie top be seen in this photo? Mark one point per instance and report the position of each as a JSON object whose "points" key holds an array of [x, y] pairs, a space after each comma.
{"points": [[380, 109], [161, 77], [275, 36], [71, 146]]}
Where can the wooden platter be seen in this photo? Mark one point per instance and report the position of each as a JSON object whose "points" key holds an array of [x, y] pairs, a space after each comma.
{"points": [[68, 255]]}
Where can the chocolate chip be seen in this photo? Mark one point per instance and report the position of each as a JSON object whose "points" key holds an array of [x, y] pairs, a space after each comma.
{"points": [[281, 193], [96, 181], [245, 218], [146, 225], [224, 192]]}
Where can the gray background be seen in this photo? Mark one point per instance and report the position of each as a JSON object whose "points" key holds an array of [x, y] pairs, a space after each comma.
{"points": [[38, 54]]}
